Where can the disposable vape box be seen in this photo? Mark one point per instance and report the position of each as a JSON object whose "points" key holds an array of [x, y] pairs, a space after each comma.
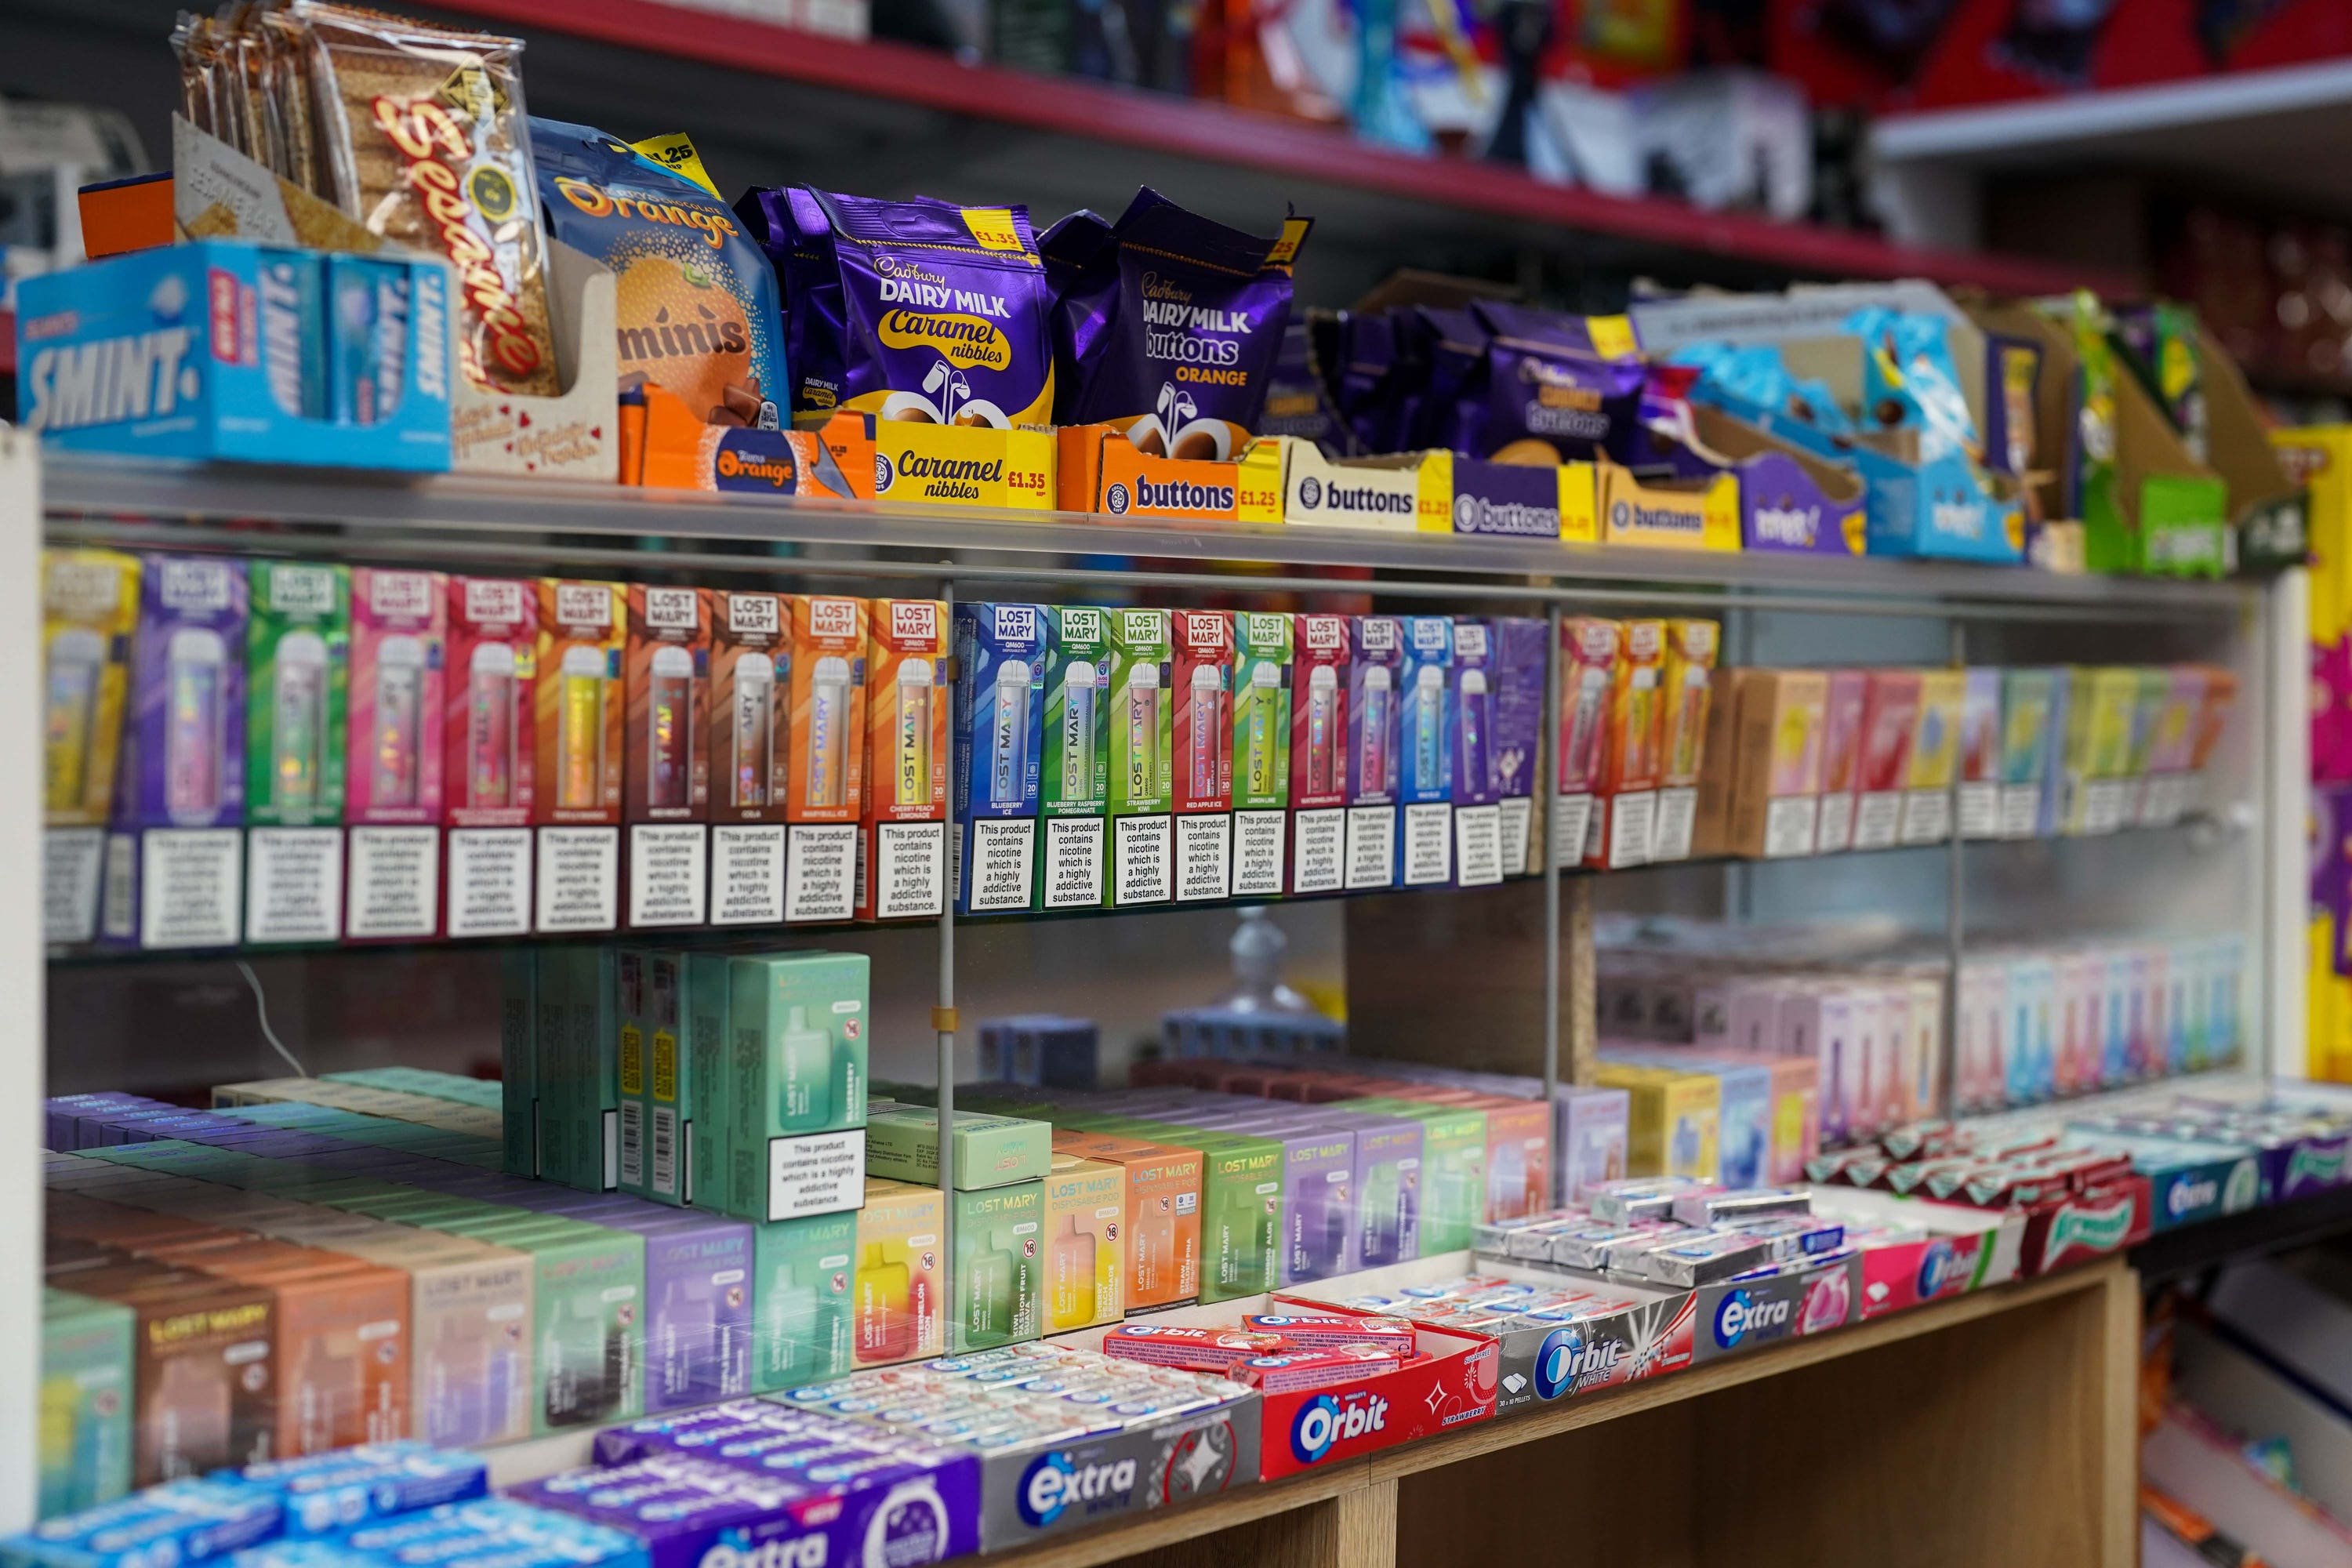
{"points": [[801, 1300], [394, 800], [1319, 1194], [1260, 751], [577, 740], [519, 1062], [2099, 746], [749, 754], [206, 1371], [1204, 707], [1086, 1242], [1319, 751], [489, 754], [172, 871], [1588, 650], [698, 1320], [902, 850], [84, 1453], [1846, 695], [1162, 1234], [2148, 713], [997, 1280], [587, 1319], [1517, 653], [1624, 812], [1935, 761], [1141, 763], [2165, 794], [1979, 762], [895, 1297], [578, 1068], [795, 1084], [1453, 1166], [1471, 678], [1773, 808], [90, 611], [709, 1053], [1519, 1156], [1590, 1131], [297, 650], [1386, 1184], [1890, 720], [340, 1328], [1685, 684], [2028, 709], [2212, 716], [1375, 732], [1674, 1120], [1001, 696], [666, 778], [902, 1143], [661, 1094], [1241, 1225], [1041, 1050], [1073, 764]]}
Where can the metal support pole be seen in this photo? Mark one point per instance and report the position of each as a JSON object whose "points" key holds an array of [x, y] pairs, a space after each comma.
{"points": [[943, 1020], [1953, 894], [1547, 792]]}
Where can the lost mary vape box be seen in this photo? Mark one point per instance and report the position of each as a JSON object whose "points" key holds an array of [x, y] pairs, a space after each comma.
{"points": [[666, 781], [90, 611], [174, 859], [1073, 765], [828, 757], [583, 635], [400, 629], [1980, 755], [1625, 803], [297, 652], [1470, 752], [1425, 752], [1935, 763], [1260, 743], [902, 846], [1141, 794], [1201, 735], [490, 755], [1890, 718], [1517, 670], [1318, 752], [1001, 656], [1588, 654], [751, 755], [1374, 678], [796, 1085], [1845, 698], [1683, 729]]}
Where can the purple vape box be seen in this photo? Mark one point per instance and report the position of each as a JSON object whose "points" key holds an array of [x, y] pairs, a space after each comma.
{"points": [[1473, 677], [1386, 1184], [1517, 647], [698, 1309], [1374, 677]]}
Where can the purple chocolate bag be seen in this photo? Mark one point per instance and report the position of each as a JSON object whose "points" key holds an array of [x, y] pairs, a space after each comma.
{"points": [[791, 228], [1458, 356], [1550, 392], [1168, 325]]}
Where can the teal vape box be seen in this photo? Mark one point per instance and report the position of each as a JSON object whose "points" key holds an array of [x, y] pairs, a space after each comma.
{"points": [[796, 1082], [902, 1143], [994, 1297], [801, 1302]]}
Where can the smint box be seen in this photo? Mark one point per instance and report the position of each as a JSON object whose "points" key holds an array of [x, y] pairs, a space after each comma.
{"points": [[1375, 683], [214, 349], [1073, 765], [173, 855], [1426, 719], [1001, 696], [1320, 659]]}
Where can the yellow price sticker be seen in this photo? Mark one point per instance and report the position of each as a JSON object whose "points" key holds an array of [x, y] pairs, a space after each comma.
{"points": [[992, 229]]}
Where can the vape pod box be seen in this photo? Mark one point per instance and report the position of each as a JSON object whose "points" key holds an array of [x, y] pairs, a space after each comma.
{"points": [[1074, 761], [902, 1143], [519, 1062], [1687, 687], [84, 1454], [1847, 694], [796, 1085], [583, 636], [896, 1305], [1518, 1155], [1517, 674], [1202, 708], [1260, 749], [1085, 1239], [1242, 1222], [1386, 1184], [2148, 716], [1625, 799], [2030, 718], [587, 1315], [400, 625], [298, 650], [1453, 1166], [90, 611], [341, 1333], [801, 1300], [1470, 756], [1375, 677], [698, 1317], [1141, 764], [1890, 722], [1980, 765], [1674, 1120], [489, 755], [1588, 654], [578, 1068], [1588, 1140], [1319, 707], [998, 1270], [827, 771], [1771, 775], [174, 857], [205, 1372], [663, 1097], [1933, 764], [1001, 695], [2163, 794], [665, 780], [1163, 1236], [1426, 750], [902, 848], [750, 753]]}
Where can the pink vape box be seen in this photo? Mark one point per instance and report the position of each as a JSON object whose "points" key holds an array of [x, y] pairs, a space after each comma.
{"points": [[1202, 642], [1841, 757], [392, 799], [1318, 752], [493, 649], [1890, 715]]}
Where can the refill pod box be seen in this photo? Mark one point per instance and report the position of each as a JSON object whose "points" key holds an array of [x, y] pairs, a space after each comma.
{"points": [[750, 754], [1074, 761], [1141, 767], [796, 1083], [173, 856], [298, 650], [895, 1297], [399, 628], [828, 759], [1516, 659], [1001, 692], [583, 635], [1625, 797], [1261, 751], [1162, 1234], [490, 755], [1426, 750], [1201, 698], [902, 848], [90, 610], [1375, 679], [665, 780], [1470, 749], [1588, 654], [1319, 671]]}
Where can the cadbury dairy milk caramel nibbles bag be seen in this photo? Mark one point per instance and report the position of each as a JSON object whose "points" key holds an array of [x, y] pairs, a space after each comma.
{"points": [[695, 299], [1167, 325]]}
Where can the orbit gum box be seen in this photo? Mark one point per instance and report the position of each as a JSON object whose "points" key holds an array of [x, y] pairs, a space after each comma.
{"points": [[665, 779], [1318, 752], [489, 754], [902, 851], [828, 756], [751, 755], [583, 634]]}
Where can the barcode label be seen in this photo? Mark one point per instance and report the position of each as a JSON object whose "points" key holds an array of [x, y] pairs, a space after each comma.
{"points": [[632, 1143], [664, 1181], [858, 901]]}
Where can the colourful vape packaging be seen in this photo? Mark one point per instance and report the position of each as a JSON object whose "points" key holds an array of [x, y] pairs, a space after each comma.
{"points": [[84, 1444], [1163, 1213], [1625, 797], [1388, 1153], [1685, 691], [2028, 719], [1425, 752], [1588, 653], [1517, 656], [827, 798], [1935, 761], [1674, 1120], [1980, 755], [902, 850], [1141, 761], [1890, 722], [90, 610], [1470, 680], [661, 1094], [795, 1087], [519, 1062], [1374, 771], [750, 753], [1073, 764], [490, 761], [1776, 745], [666, 777], [801, 1300], [698, 1317], [1202, 701], [902, 1144], [172, 871], [1242, 1222], [896, 1301], [1319, 751], [394, 799], [999, 1266], [578, 737], [1085, 1237], [1001, 738], [297, 645], [579, 1068], [1259, 749], [1848, 693], [2164, 795]]}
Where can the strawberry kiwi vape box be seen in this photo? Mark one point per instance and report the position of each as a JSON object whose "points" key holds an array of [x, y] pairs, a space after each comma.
{"points": [[1260, 743], [1625, 799], [400, 627], [1073, 764], [1588, 663], [751, 755], [1141, 770], [174, 857], [1470, 752], [1516, 673], [1201, 726], [583, 634], [297, 653], [828, 757], [902, 846], [1000, 653], [1425, 752], [1374, 680], [1318, 752], [490, 754], [666, 778]]}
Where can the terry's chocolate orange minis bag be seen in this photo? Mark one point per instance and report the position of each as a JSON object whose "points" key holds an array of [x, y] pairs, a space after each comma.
{"points": [[696, 299], [1170, 324]]}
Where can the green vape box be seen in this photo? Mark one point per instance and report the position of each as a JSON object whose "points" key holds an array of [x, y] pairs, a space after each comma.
{"points": [[706, 1010], [659, 1093], [86, 1403], [1074, 759], [902, 1144], [579, 1069], [519, 1062], [588, 1317], [1261, 710], [795, 1076], [1137, 714], [994, 1297], [1241, 1241], [801, 1302], [298, 651], [1453, 1167]]}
